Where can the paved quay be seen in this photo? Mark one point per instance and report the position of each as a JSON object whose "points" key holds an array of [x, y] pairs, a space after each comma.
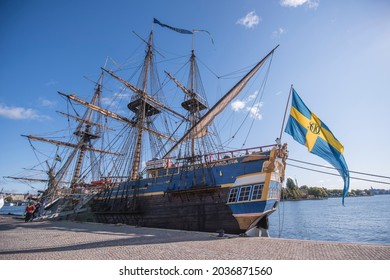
{"points": [[66, 240]]}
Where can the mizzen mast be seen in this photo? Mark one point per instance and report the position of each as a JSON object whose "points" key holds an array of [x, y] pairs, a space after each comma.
{"points": [[193, 102], [201, 124]]}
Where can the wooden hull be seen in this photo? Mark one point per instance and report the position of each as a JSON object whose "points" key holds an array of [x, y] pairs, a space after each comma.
{"points": [[196, 211]]}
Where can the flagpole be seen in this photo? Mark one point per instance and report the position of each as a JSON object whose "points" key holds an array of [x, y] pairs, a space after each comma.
{"points": [[285, 113], [193, 41]]}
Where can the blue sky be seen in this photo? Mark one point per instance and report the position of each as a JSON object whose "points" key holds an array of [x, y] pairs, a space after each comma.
{"points": [[336, 53]]}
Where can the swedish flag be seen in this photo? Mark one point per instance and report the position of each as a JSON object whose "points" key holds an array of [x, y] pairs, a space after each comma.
{"points": [[307, 129]]}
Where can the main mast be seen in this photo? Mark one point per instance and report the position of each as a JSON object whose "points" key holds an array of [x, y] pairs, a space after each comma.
{"points": [[143, 105], [141, 110], [193, 112]]}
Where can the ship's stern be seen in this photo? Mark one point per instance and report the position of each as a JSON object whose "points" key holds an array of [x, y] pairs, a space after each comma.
{"points": [[253, 197]]}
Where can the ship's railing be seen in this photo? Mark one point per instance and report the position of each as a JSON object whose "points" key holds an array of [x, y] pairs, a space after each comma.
{"points": [[200, 99], [237, 153], [170, 166]]}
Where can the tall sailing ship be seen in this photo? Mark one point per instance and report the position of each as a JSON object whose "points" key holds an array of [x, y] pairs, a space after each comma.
{"points": [[165, 167]]}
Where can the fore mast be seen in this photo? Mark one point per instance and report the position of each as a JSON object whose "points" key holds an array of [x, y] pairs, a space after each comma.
{"points": [[86, 135], [71, 156]]}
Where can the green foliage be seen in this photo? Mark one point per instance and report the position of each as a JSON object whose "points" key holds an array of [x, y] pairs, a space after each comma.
{"points": [[290, 184], [291, 191], [334, 193], [304, 192], [317, 192], [359, 193]]}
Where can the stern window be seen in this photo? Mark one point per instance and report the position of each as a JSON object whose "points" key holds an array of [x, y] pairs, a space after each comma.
{"points": [[245, 193], [257, 191], [233, 195], [274, 192]]}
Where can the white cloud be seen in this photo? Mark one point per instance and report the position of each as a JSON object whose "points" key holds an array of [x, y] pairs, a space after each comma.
{"points": [[47, 103], [292, 3], [252, 96], [250, 20], [279, 32], [107, 101], [51, 83], [311, 4], [113, 101], [20, 113], [253, 109], [122, 95], [238, 105]]}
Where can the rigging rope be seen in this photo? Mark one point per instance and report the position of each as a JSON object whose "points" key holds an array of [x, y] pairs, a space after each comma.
{"points": [[255, 101], [281, 219], [361, 179], [350, 171], [208, 68], [261, 90], [35, 151]]}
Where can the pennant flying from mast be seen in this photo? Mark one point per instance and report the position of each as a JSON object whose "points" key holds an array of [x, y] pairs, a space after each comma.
{"points": [[211, 37], [180, 30], [183, 31], [306, 128]]}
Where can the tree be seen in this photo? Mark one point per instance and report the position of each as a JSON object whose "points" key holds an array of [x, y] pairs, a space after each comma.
{"points": [[304, 190], [292, 191], [290, 184], [317, 192]]}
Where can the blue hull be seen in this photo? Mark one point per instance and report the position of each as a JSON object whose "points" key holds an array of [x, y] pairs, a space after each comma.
{"points": [[194, 198]]}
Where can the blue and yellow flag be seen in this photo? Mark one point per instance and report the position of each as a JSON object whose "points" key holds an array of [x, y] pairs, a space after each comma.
{"points": [[307, 129]]}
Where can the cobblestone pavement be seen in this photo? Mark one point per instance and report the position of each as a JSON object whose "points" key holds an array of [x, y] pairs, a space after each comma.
{"points": [[66, 240]]}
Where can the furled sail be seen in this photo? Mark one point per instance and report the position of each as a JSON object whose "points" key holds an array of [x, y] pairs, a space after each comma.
{"points": [[202, 124]]}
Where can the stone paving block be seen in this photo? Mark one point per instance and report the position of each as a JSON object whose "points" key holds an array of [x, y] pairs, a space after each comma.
{"points": [[66, 240]]}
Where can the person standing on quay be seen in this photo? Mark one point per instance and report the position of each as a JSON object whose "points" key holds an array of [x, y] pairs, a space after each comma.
{"points": [[29, 212]]}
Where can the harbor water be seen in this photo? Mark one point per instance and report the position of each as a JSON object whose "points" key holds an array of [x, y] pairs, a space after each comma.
{"points": [[361, 220], [12, 210]]}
